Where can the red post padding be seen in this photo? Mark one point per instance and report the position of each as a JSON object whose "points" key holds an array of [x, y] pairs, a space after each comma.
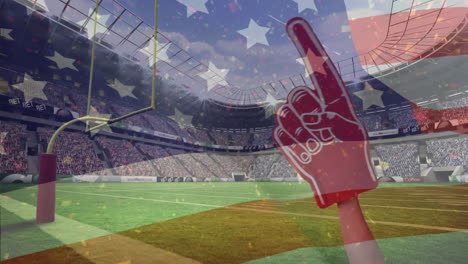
{"points": [[45, 210]]}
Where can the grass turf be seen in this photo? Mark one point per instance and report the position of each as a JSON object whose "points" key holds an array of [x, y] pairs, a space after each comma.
{"points": [[263, 219]]}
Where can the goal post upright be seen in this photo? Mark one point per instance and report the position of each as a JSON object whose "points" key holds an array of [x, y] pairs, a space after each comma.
{"points": [[45, 208]]}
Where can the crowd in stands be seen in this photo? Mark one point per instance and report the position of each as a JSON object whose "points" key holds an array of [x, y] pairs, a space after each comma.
{"points": [[240, 139], [220, 138], [271, 166], [372, 122], [232, 162], [215, 167], [403, 118], [165, 164], [262, 138], [262, 165], [125, 158], [157, 123], [200, 135], [196, 167], [13, 157], [282, 169], [75, 154], [399, 159], [58, 95], [136, 120], [448, 152]]}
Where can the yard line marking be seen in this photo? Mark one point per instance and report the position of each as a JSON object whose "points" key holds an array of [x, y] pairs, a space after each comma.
{"points": [[144, 199], [441, 228], [202, 195], [404, 207], [110, 248], [253, 192], [439, 201], [254, 196], [416, 208], [259, 206]]}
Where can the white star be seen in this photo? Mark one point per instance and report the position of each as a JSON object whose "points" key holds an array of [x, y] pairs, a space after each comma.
{"points": [[102, 19], [161, 54], [181, 119], [214, 76], [123, 90], [5, 33], [301, 61], [370, 97], [194, 6], [255, 34], [31, 89], [304, 4], [2, 138], [62, 62], [94, 113], [41, 4], [272, 100], [271, 104]]}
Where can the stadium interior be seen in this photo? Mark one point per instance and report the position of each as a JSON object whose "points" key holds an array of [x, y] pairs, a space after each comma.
{"points": [[224, 135]]}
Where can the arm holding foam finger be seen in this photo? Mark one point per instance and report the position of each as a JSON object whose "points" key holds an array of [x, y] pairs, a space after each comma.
{"points": [[360, 245]]}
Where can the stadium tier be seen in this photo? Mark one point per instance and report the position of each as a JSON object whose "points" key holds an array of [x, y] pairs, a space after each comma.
{"points": [[246, 132]]}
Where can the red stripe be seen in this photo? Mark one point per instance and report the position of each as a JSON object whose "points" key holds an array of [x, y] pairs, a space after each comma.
{"points": [[370, 32]]}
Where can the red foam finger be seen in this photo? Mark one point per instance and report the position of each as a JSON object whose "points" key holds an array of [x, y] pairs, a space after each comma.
{"points": [[288, 118], [290, 147], [291, 122], [305, 101], [325, 77]]}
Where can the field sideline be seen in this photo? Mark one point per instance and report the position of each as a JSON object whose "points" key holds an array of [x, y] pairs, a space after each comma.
{"points": [[260, 222]]}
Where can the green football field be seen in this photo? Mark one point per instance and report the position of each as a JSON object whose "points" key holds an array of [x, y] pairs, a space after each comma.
{"points": [[254, 222]]}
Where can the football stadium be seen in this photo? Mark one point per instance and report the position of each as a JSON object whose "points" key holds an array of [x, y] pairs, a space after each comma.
{"points": [[233, 131]]}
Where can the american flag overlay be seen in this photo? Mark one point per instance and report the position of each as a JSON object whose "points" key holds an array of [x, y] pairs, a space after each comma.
{"points": [[233, 131]]}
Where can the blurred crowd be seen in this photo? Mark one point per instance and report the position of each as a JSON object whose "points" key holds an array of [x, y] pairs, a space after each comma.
{"points": [[78, 154], [399, 159], [12, 148], [448, 152]]}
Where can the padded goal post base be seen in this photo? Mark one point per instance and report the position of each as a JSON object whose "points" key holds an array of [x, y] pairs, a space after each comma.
{"points": [[45, 210]]}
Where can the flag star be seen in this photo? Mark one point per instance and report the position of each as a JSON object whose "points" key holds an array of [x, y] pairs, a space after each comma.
{"points": [[255, 34], [214, 76], [40, 4], [370, 97], [194, 6], [271, 104], [5, 33], [102, 19], [305, 4], [301, 61], [317, 66], [94, 113], [62, 62], [31, 89], [161, 54], [2, 139], [181, 119], [123, 90]]}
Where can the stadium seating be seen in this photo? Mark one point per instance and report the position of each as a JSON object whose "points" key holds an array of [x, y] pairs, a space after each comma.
{"points": [[165, 164], [262, 138], [75, 155], [12, 148], [448, 152], [125, 158], [399, 159]]}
